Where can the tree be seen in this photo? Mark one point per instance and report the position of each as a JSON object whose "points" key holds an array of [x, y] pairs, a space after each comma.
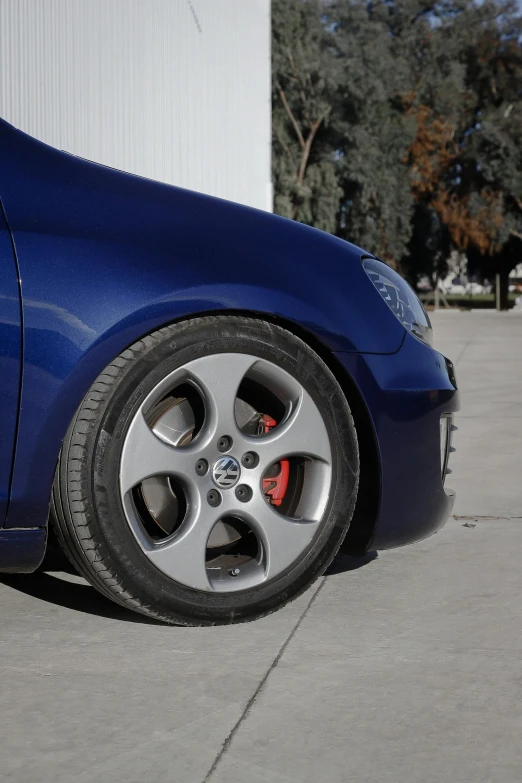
{"points": [[397, 126], [373, 131], [303, 93], [492, 155], [465, 159]]}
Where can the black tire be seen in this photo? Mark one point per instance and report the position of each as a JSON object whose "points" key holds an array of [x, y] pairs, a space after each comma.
{"points": [[86, 506]]}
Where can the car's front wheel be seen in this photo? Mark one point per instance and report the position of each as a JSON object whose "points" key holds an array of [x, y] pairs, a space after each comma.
{"points": [[210, 473]]}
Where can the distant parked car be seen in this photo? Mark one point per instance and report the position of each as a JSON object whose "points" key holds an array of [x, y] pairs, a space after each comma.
{"points": [[474, 288], [204, 399], [456, 288], [424, 285]]}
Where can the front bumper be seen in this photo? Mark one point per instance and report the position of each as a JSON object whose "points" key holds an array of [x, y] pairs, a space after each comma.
{"points": [[406, 393]]}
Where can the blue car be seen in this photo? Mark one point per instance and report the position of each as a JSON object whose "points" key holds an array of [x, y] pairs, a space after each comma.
{"points": [[203, 401]]}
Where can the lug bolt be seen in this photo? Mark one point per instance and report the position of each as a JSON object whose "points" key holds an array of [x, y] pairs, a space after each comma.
{"points": [[213, 498], [234, 572], [224, 443], [201, 467], [250, 460], [243, 493]]}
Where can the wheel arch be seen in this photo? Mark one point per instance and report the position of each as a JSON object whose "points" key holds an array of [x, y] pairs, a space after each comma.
{"points": [[366, 510]]}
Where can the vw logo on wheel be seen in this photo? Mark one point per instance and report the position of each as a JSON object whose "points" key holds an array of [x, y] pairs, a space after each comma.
{"points": [[226, 472]]}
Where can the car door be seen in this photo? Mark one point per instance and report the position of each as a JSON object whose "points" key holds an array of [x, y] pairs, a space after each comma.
{"points": [[10, 358]]}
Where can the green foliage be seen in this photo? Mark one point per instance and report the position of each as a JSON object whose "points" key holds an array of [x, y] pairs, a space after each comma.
{"points": [[306, 187], [397, 125]]}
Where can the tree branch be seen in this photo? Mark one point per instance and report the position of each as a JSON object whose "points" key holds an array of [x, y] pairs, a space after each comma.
{"points": [[305, 106], [308, 146], [292, 64], [291, 115], [298, 81], [306, 154]]}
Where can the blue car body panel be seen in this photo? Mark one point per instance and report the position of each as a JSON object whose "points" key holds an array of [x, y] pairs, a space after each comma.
{"points": [[406, 394], [106, 257], [10, 357]]}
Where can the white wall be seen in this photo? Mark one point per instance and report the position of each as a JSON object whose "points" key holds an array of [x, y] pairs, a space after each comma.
{"points": [[175, 90]]}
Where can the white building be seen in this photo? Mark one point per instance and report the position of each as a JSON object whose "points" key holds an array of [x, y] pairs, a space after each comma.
{"points": [[175, 90]]}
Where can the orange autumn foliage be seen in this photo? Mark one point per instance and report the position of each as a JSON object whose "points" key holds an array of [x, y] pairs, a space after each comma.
{"points": [[431, 157]]}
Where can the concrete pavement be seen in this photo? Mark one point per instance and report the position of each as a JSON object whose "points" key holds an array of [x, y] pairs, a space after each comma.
{"points": [[487, 467], [403, 668]]}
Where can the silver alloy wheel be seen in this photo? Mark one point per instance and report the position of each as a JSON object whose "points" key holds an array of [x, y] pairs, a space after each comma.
{"points": [[153, 451]]}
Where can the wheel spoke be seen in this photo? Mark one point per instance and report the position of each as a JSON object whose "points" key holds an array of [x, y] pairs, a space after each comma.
{"points": [[303, 434], [219, 378], [284, 539], [145, 455], [183, 559]]}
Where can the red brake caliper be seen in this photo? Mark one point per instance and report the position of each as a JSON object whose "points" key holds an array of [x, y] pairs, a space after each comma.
{"points": [[274, 487]]}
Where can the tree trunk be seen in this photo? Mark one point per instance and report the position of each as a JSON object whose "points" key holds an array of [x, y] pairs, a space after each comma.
{"points": [[502, 290]]}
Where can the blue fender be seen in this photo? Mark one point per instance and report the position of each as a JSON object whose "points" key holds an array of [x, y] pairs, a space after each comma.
{"points": [[106, 257]]}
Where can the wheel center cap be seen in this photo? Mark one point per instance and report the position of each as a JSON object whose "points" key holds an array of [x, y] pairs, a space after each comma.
{"points": [[226, 472]]}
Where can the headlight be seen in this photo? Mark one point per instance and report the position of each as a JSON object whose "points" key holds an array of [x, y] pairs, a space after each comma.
{"points": [[400, 298]]}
